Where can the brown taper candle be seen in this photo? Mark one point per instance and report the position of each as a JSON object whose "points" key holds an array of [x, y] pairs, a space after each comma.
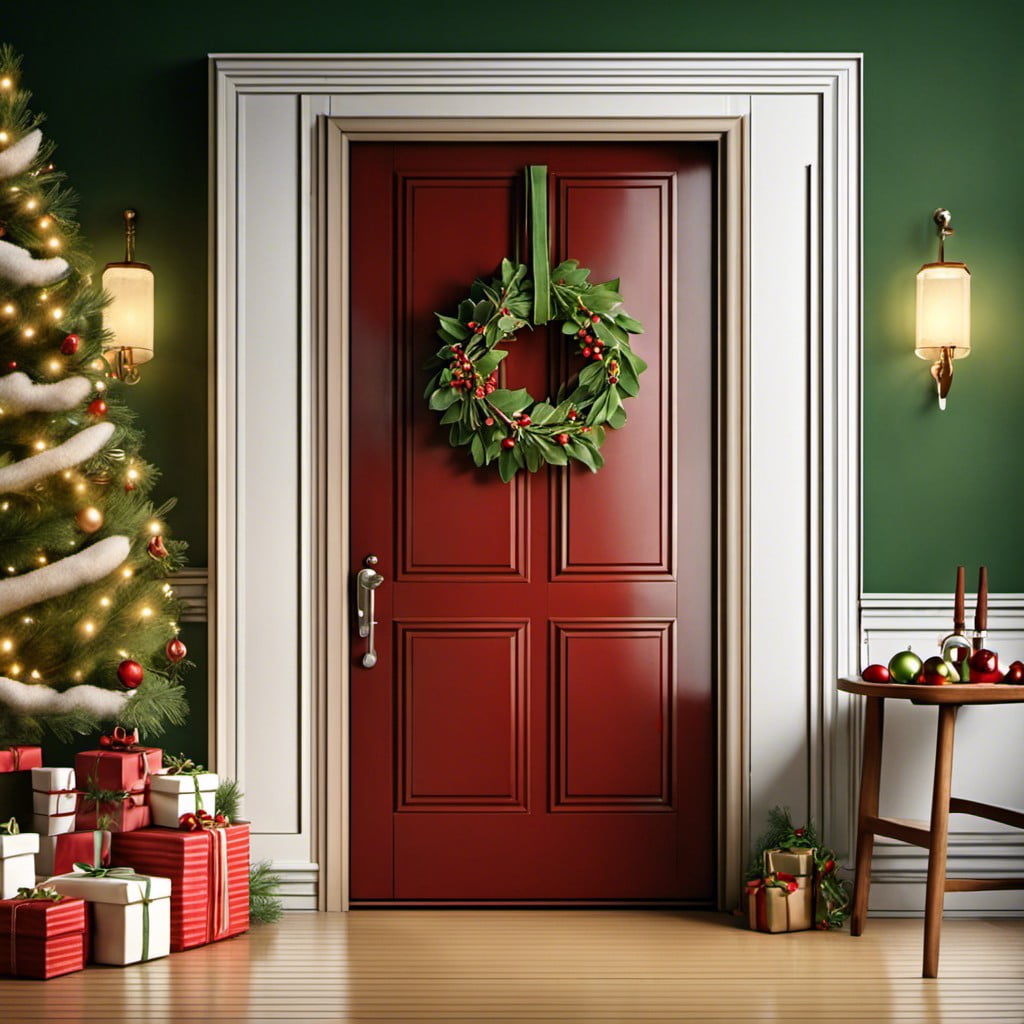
{"points": [[959, 617], [981, 613]]}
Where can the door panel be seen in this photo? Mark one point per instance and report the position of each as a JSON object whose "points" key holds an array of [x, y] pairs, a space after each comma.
{"points": [[539, 725]]}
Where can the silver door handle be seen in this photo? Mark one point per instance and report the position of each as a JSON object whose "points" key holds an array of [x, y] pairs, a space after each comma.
{"points": [[367, 581]]}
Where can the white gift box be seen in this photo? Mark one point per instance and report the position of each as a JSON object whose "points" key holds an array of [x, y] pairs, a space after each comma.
{"points": [[120, 911], [171, 796], [17, 863], [54, 824], [53, 791]]}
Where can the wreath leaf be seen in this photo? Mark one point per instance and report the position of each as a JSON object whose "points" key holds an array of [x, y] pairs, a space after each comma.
{"points": [[507, 425]]}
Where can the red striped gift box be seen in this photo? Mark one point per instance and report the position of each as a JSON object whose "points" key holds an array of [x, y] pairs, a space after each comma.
{"points": [[42, 938], [209, 873]]}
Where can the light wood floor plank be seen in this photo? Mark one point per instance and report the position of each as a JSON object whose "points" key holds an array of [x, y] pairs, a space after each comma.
{"points": [[544, 966]]}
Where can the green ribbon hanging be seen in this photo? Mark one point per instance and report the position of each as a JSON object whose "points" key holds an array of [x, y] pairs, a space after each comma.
{"points": [[537, 194], [127, 875]]}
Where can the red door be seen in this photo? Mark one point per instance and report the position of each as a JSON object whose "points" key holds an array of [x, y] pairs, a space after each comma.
{"points": [[540, 723]]}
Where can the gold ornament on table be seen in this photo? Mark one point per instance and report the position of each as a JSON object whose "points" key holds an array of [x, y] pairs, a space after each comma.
{"points": [[89, 519]]}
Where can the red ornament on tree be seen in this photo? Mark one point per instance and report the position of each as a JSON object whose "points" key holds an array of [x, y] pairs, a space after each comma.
{"points": [[97, 407], [175, 650], [156, 547], [69, 346], [130, 673]]}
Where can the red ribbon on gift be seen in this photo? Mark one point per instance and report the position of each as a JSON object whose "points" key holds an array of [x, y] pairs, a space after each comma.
{"points": [[219, 920], [757, 891], [120, 739]]}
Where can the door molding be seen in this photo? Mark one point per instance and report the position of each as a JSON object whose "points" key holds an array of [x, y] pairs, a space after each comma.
{"points": [[789, 132]]}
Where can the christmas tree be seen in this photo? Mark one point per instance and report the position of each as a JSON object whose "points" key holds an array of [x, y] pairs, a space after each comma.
{"points": [[88, 621]]}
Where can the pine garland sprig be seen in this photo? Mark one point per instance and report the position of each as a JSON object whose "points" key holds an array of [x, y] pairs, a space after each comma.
{"points": [[264, 905], [228, 799]]}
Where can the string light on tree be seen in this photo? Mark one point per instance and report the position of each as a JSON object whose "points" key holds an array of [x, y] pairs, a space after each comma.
{"points": [[64, 532]]}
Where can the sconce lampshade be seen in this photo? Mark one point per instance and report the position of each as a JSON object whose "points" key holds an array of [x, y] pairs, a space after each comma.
{"points": [[943, 311], [129, 316]]}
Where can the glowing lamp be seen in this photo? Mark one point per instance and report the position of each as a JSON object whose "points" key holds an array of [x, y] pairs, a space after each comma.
{"points": [[129, 316], [943, 312]]}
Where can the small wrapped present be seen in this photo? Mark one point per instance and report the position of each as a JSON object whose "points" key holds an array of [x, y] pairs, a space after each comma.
{"points": [[779, 902], [59, 854], [53, 791], [183, 788], [208, 864], [42, 934], [17, 859], [796, 860], [123, 764], [131, 912], [121, 814], [20, 759]]}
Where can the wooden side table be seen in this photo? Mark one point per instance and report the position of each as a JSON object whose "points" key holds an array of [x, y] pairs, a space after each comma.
{"points": [[932, 835]]}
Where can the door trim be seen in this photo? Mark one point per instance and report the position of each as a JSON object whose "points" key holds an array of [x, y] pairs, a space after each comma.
{"points": [[323, 101]]}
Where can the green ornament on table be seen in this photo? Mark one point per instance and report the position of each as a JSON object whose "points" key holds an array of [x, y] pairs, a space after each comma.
{"points": [[904, 667]]}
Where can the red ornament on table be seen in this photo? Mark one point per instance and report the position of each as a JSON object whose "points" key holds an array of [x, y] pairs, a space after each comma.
{"points": [[97, 407], [156, 547], [69, 346], [130, 673], [875, 674], [175, 650]]}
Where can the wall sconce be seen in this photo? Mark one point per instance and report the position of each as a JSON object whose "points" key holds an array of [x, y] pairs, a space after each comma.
{"points": [[129, 316], [943, 312]]}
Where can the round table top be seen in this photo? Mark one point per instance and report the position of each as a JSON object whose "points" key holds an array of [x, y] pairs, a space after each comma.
{"points": [[952, 693]]}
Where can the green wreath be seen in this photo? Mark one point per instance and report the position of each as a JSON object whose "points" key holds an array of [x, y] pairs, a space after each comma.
{"points": [[511, 427]]}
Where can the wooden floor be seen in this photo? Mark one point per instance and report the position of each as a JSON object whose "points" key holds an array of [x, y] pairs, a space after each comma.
{"points": [[548, 965]]}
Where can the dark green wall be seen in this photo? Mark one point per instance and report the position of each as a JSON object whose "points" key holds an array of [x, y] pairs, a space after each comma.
{"points": [[128, 107]]}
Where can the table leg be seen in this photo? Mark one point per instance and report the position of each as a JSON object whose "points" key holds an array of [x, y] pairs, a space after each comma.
{"points": [[936, 889], [870, 779]]}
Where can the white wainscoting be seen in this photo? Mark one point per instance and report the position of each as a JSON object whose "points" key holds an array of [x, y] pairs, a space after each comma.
{"points": [[986, 762]]}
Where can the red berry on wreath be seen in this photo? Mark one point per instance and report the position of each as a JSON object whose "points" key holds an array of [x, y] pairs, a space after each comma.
{"points": [[479, 392], [175, 650], [12, 365], [97, 407], [472, 323], [130, 673], [598, 354], [587, 352], [489, 389], [69, 346], [524, 420], [613, 380], [563, 439], [508, 442], [595, 319], [581, 333], [572, 414], [489, 422]]}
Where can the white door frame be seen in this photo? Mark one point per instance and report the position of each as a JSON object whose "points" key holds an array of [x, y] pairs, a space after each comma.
{"points": [[789, 567]]}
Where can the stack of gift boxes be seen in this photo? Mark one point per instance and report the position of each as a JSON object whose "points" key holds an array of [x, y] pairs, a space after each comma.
{"points": [[118, 860]]}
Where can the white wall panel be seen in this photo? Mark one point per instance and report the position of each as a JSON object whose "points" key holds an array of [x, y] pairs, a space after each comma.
{"points": [[986, 758], [783, 421]]}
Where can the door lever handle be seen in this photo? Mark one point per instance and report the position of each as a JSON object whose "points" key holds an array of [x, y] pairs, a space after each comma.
{"points": [[367, 582]]}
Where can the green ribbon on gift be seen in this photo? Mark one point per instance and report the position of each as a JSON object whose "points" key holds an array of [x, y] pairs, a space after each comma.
{"points": [[39, 892], [125, 874], [10, 828], [182, 765], [537, 196]]}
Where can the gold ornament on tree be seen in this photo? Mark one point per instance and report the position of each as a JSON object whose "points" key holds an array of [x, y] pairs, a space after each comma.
{"points": [[89, 519]]}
